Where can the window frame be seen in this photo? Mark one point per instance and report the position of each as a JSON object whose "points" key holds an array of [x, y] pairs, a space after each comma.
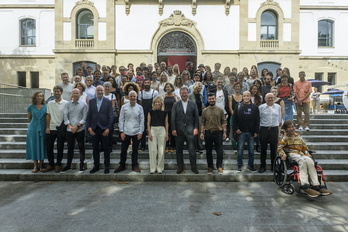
{"points": [[24, 37], [276, 26], [78, 24], [328, 40]]}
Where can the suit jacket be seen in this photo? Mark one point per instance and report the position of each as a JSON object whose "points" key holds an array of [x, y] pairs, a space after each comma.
{"points": [[182, 122], [104, 118]]}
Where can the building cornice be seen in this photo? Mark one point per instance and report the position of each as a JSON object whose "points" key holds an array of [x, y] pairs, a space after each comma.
{"points": [[323, 7], [84, 51], [27, 6], [323, 57], [27, 56]]}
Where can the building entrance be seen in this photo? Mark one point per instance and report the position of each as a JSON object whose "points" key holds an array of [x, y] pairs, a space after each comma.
{"points": [[177, 48]]}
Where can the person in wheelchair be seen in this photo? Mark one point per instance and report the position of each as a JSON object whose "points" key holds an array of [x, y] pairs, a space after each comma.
{"points": [[299, 152]]}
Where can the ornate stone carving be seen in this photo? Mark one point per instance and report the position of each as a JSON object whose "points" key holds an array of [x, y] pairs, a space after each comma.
{"points": [[227, 7], [175, 43], [127, 6], [160, 7], [85, 2], [177, 19], [194, 7], [270, 3]]}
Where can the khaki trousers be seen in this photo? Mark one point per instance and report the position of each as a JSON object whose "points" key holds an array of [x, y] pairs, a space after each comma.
{"points": [[156, 148], [306, 166], [305, 108]]}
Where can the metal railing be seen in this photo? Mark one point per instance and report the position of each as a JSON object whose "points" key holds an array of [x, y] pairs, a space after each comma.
{"points": [[16, 99]]}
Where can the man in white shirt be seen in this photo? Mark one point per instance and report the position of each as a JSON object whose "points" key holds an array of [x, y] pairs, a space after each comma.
{"points": [[66, 85], [55, 129], [270, 120], [131, 124]]}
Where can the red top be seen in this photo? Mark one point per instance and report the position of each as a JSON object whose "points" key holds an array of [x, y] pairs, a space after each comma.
{"points": [[284, 91]]}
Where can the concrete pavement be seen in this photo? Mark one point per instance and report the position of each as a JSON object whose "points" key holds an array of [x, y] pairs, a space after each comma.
{"points": [[167, 206]]}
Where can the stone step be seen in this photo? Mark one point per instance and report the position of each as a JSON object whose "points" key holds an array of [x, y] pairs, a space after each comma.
{"points": [[308, 138], [327, 132], [14, 121], [14, 131], [167, 175], [327, 121], [171, 164], [229, 154], [13, 115], [312, 145]]}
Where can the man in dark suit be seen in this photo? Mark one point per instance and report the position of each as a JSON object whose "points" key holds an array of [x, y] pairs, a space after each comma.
{"points": [[99, 122], [185, 124]]}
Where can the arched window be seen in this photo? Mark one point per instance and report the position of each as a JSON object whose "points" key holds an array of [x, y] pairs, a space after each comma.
{"points": [[325, 33], [85, 25], [269, 26], [28, 32]]}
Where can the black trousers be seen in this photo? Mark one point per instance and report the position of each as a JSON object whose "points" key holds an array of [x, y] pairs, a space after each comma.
{"points": [[104, 140], [124, 147], [190, 142], [54, 135], [268, 135], [80, 138], [214, 140]]}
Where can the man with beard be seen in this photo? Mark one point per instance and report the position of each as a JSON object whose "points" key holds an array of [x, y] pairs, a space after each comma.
{"points": [[145, 98], [213, 127], [171, 76], [55, 129]]}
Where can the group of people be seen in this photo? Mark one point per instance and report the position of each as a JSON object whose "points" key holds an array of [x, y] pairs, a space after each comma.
{"points": [[164, 107]]}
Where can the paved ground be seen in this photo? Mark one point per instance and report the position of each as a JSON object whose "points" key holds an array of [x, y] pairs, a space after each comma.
{"points": [[167, 206]]}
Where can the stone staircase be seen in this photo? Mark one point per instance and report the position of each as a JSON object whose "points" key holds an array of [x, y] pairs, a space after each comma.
{"points": [[328, 137]]}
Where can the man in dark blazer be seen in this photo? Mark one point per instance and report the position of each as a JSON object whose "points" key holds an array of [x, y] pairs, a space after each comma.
{"points": [[185, 124], [99, 122]]}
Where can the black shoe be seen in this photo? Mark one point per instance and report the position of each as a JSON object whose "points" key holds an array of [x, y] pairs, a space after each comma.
{"points": [[180, 171], [106, 170], [94, 169], [195, 171], [262, 170], [119, 169], [82, 167], [65, 169], [257, 148], [239, 169], [251, 168]]}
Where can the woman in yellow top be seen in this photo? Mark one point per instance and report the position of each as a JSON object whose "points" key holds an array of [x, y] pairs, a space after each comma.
{"points": [[298, 151]]}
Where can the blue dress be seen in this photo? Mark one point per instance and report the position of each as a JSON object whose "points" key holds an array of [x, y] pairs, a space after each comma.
{"points": [[36, 135]]}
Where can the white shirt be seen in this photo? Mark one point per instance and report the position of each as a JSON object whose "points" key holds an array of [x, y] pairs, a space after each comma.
{"points": [[220, 100], [184, 105], [270, 116], [131, 120], [56, 111]]}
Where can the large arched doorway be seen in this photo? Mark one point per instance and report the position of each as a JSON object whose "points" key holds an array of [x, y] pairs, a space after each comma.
{"points": [[177, 48]]}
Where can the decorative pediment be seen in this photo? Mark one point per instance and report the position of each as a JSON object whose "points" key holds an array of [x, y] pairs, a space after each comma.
{"points": [[270, 3], [85, 2], [177, 19]]}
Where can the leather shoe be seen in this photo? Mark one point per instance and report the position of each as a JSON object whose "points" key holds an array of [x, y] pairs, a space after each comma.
{"points": [[106, 170], [262, 170], [94, 169], [49, 168], [195, 171], [136, 169], [119, 169], [180, 171]]}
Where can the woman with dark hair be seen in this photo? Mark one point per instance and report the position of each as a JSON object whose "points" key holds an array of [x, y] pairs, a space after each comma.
{"points": [[258, 83], [116, 91], [82, 88], [285, 92], [209, 82], [227, 71], [177, 85], [256, 98], [169, 99], [36, 135], [264, 73], [154, 81], [290, 79], [126, 89]]}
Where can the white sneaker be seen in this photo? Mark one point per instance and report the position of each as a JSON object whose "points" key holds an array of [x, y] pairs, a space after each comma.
{"points": [[307, 128], [300, 128]]}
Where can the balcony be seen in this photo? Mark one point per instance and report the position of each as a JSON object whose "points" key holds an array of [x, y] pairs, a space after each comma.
{"points": [[269, 44], [84, 43]]}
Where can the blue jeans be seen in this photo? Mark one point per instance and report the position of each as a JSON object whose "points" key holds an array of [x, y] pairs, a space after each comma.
{"points": [[289, 113], [245, 137]]}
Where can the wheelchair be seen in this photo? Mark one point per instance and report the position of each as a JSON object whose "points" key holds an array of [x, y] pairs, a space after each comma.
{"points": [[286, 174]]}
